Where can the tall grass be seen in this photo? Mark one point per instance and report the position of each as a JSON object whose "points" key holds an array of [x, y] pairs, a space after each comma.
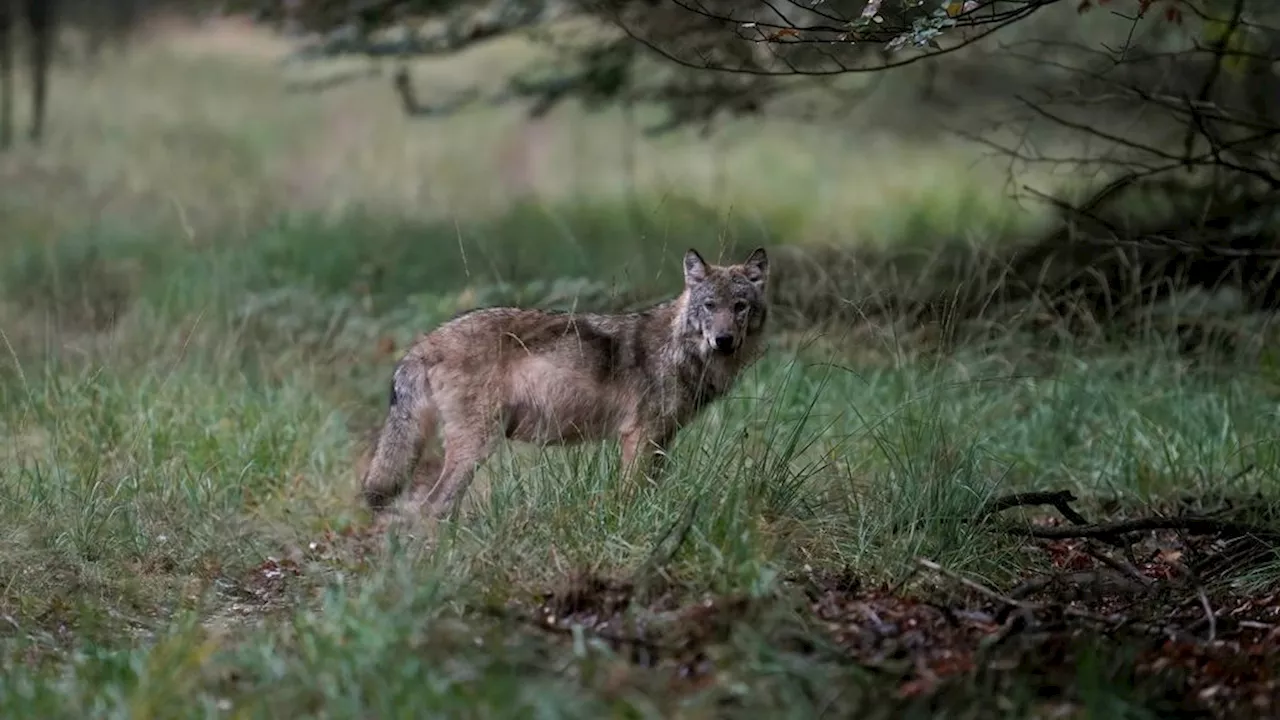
{"points": [[143, 500]]}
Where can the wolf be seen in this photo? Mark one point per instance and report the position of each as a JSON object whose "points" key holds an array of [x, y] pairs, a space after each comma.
{"points": [[560, 378]]}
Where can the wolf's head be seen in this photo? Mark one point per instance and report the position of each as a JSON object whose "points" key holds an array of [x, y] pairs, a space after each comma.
{"points": [[725, 304]]}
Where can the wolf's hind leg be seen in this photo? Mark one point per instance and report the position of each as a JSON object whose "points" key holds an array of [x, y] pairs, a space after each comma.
{"points": [[411, 418]]}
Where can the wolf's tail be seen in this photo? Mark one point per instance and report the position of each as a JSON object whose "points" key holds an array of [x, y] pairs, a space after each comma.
{"points": [[411, 420]]}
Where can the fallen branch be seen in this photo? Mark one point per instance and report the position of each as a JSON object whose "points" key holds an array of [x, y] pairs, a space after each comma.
{"points": [[1060, 500], [977, 586], [1101, 581], [1190, 523], [1210, 616], [634, 642], [1113, 622], [1123, 567]]}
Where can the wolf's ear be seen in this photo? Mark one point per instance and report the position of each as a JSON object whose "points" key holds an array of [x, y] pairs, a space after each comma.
{"points": [[757, 267], [695, 268]]}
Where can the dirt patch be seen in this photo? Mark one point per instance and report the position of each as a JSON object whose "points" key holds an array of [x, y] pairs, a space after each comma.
{"points": [[258, 593], [1152, 602], [926, 648], [1154, 611]]}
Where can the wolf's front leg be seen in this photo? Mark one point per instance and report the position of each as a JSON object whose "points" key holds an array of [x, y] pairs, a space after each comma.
{"points": [[464, 451], [644, 455]]}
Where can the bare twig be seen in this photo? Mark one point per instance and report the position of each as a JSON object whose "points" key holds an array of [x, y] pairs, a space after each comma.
{"points": [[818, 37], [1190, 523], [1211, 78], [1121, 566], [1209, 614], [976, 586], [1097, 579], [618, 640], [1059, 499], [1113, 622]]}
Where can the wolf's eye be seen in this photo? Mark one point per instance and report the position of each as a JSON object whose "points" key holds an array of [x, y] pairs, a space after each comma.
{"points": [[740, 306], [710, 304]]}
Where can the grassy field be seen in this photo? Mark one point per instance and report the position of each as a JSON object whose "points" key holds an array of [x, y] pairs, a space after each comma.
{"points": [[206, 279]]}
